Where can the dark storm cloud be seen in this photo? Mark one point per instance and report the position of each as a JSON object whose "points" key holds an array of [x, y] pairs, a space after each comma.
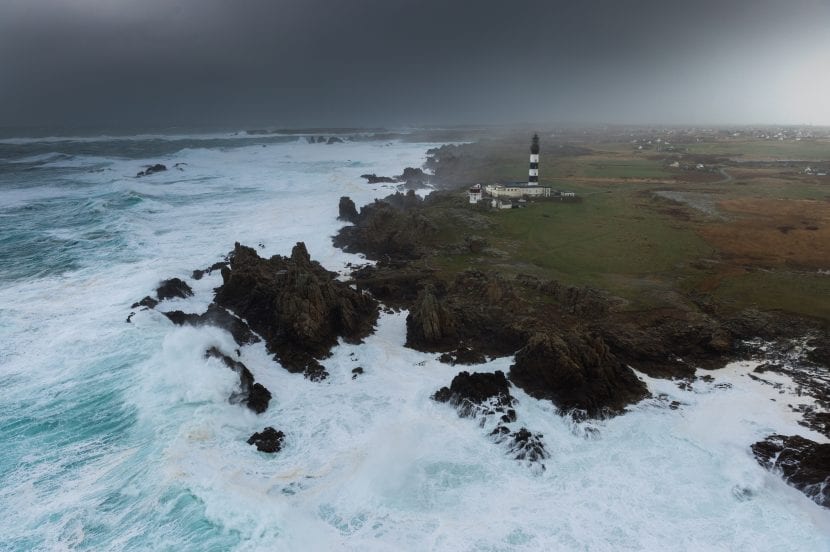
{"points": [[372, 62]]}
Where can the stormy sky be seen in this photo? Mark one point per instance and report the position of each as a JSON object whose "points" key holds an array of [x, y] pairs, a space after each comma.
{"points": [[267, 63]]}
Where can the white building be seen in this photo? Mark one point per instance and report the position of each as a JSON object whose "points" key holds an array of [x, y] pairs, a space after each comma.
{"points": [[474, 193], [517, 189]]}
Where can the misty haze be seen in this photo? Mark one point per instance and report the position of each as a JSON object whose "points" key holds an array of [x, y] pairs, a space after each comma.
{"points": [[397, 275]]}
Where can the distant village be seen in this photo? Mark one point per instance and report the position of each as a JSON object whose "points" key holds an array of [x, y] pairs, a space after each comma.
{"points": [[515, 195]]}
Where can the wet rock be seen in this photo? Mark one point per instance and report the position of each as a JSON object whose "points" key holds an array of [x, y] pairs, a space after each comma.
{"points": [[200, 273], [296, 305], [219, 317], [803, 463], [357, 372], [347, 209], [576, 371], [174, 287], [130, 317], [268, 440], [152, 169], [477, 393], [375, 179], [525, 445], [413, 178], [463, 355], [254, 395], [148, 302], [334, 140]]}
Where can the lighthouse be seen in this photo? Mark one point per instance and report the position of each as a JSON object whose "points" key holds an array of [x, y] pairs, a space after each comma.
{"points": [[533, 175]]}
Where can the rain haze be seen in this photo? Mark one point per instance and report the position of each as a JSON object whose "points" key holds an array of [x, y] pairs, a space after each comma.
{"points": [[370, 62]]}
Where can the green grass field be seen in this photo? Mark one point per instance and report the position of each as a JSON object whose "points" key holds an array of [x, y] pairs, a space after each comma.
{"points": [[623, 239]]}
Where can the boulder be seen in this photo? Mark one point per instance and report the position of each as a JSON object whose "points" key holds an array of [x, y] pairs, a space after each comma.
{"points": [[334, 140], [268, 440], [252, 394], [803, 463], [174, 287], [576, 371], [347, 209], [375, 179], [297, 306], [148, 302], [522, 444], [478, 393], [152, 169]]}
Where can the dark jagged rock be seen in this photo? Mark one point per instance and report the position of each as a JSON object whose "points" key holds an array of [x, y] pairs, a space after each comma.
{"points": [[152, 169], [174, 287], [148, 302], [478, 313], [478, 393], [576, 371], [130, 317], [199, 273], [523, 445], [430, 325], [394, 284], [463, 355], [268, 440], [384, 230], [252, 394], [347, 209], [375, 179], [296, 305], [803, 463], [219, 317], [357, 372], [669, 343], [334, 140], [413, 178]]}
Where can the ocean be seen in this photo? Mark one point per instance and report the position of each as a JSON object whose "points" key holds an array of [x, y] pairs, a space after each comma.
{"points": [[120, 436]]}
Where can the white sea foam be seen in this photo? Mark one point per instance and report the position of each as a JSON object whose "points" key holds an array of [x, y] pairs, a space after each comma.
{"points": [[370, 463]]}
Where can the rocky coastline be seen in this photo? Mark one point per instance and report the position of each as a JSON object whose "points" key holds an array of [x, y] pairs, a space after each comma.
{"points": [[574, 346]]}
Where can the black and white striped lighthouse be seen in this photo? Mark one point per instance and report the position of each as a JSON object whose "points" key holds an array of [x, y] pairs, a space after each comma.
{"points": [[533, 175]]}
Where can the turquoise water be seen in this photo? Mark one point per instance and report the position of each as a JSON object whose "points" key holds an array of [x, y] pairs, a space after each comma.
{"points": [[119, 436]]}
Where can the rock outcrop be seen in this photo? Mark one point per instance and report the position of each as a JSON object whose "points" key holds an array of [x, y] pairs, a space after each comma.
{"points": [[430, 326], [388, 229], [576, 371], [199, 273], [479, 393], [296, 305], [347, 209], [174, 287], [152, 169], [413, 178], [219, 317], [803, 463], [147, 302], [253, 395], [268, 440], [375, 179]]}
